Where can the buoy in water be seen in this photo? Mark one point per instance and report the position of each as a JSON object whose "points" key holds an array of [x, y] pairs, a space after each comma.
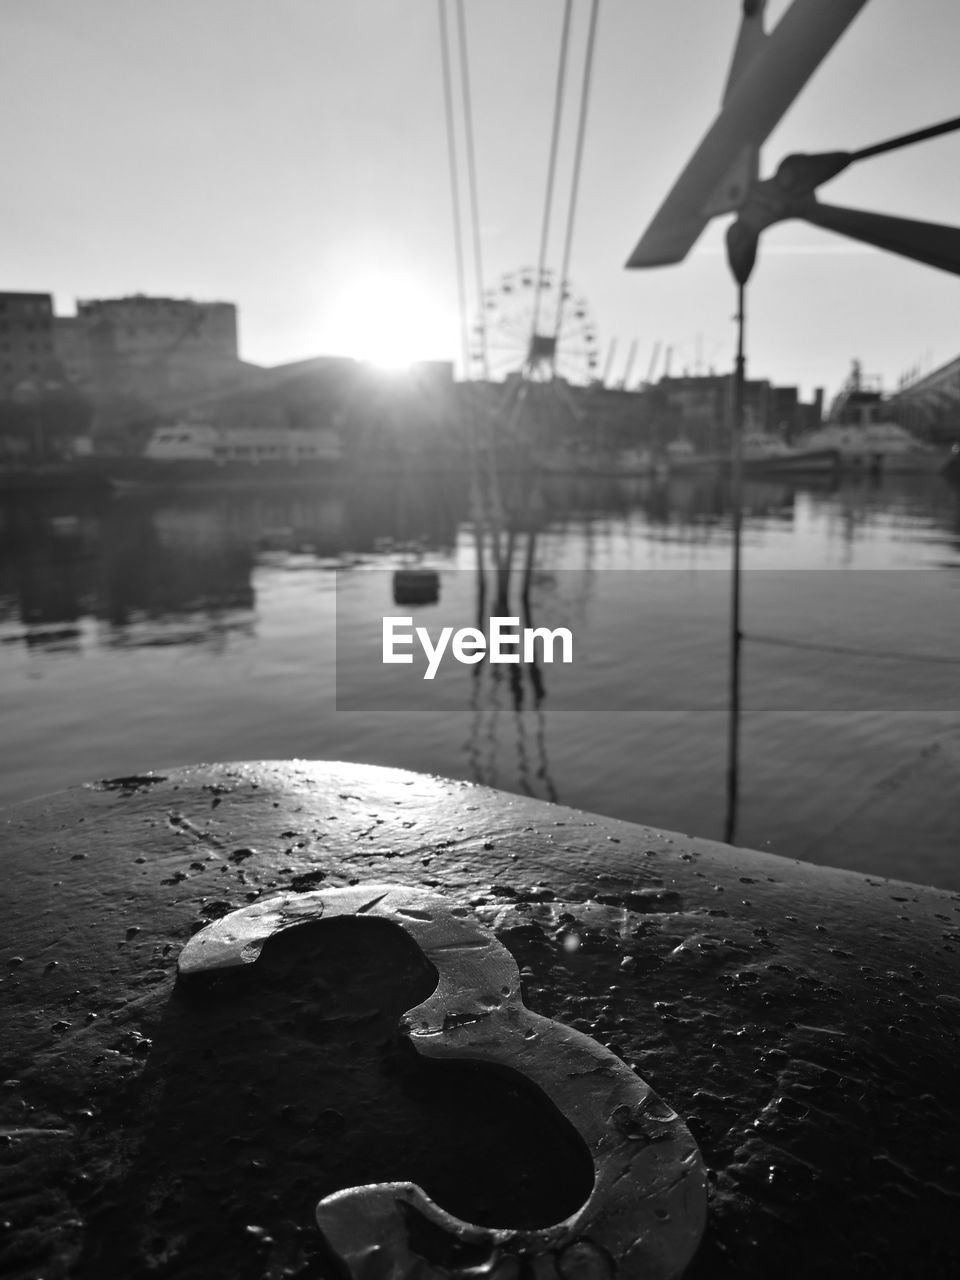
{"points": [[416, 586]]}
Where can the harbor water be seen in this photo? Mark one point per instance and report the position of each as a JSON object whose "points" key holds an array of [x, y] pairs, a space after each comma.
{"points": [[157, 629]]}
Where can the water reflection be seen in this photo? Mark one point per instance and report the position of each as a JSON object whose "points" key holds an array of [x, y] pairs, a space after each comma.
{"points": [[207, 622], [160, 571], [508, 556], [149, 576], [124, 562]]}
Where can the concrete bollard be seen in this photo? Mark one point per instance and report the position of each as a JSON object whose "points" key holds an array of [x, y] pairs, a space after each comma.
{"points": [[804, 1023]]}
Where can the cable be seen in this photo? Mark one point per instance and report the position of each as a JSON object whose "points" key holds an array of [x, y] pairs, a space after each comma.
{"points": [[472, 181], [552, 166], [454, 187], [578, 159]]}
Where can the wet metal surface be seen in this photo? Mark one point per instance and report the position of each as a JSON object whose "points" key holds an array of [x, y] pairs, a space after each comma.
{"points": [[804, 1022], [645, 1212]]}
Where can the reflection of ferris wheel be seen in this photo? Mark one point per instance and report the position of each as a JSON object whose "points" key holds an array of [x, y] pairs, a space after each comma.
{"points": [[534, 325]]}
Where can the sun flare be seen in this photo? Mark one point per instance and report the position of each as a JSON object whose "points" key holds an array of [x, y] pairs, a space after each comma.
{"points": [[389, 319]]}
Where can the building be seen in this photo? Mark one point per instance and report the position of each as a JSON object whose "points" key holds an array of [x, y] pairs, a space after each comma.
{"points": [[702, 408], [697, 409], [41, 416], [146, 351], [789, 416], [929, 404], [167, 344], [28, 363]]}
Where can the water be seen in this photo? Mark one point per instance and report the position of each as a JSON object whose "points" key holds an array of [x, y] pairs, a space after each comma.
{"points": [[143, 633]]}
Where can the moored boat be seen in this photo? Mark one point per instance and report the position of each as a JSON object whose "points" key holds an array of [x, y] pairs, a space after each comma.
{"points": [[860, 429], [202, 455], [875, 446], [762, 453]]}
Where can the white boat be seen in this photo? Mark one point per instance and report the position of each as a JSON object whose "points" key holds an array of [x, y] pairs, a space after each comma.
{"points": [[251, 446], [762, 453], [192, 455], [864, 436], [876, 446]]}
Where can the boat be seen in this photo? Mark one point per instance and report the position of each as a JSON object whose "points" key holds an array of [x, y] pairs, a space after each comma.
{"points": [[416, 584], [876, 447], [197, 454], [247, 446], [762, 454], [582, 460], [860, 429]]}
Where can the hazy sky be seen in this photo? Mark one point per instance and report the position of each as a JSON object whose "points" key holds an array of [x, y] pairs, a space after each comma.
{"points": [[290, 155]]}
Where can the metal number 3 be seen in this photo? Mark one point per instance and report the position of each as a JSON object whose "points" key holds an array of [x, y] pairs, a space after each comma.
{"points": [[646, 1212]]}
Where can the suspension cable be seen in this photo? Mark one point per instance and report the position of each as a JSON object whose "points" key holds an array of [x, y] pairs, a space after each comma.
{"points": [[577, 162], [552, 167], [454, 187], [472, 181]]}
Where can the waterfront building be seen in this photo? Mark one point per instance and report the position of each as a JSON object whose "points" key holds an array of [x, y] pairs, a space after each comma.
{"points": [[929, 404], [27, 357], [41, 416], [695, 409], [146, 352], [690, 412], [333, 400], [703, 405]]}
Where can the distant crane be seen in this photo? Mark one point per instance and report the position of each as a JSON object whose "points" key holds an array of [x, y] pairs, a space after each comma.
{"points": [[628, 368], [608, 364]]}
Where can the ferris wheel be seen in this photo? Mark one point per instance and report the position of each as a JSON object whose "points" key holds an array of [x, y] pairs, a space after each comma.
{"points": [[534, 325]]}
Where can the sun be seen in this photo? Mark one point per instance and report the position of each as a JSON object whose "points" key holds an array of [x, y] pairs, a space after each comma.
{"points": [[389, 319]]}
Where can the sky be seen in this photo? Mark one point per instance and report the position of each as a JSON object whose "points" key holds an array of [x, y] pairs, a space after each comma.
{"points": [[291, 156]]}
